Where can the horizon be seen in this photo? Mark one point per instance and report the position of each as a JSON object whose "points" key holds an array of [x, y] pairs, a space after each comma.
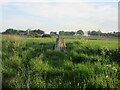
{"points": [[85, 32], [58, 16]]}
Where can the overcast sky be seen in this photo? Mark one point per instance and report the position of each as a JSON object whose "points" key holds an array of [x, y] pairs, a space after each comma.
{"points": [[60, 15]]}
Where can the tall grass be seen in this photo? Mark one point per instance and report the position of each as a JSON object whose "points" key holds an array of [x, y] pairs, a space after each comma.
{"points": [[32, 63]]}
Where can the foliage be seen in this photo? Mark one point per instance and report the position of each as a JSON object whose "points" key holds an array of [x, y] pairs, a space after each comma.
{"points": [[36, 35], [32, 63], [80, 32], [109, 34], [95, 33], [46, 35], [61, 33], [53, 33], [66, 33]]}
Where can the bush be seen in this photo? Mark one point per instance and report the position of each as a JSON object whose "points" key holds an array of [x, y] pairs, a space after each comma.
{"points": [[46, 35]]}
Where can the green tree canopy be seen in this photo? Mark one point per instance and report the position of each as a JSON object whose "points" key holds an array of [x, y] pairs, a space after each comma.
{"points": [[61, 32], [80, 32]]}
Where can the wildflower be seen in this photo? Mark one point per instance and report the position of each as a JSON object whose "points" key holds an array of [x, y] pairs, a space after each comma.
{"points": [[114, 69], [107, 76], [109, 65]]}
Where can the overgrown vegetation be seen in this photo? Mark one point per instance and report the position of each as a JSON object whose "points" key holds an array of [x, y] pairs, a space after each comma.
{"points": [[32, 63]]}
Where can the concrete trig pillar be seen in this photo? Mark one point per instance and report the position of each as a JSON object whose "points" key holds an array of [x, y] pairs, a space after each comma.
{"points": [[60, 44]]}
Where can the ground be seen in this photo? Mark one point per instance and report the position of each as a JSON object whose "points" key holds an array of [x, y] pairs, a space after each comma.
{"points": [[85, 63]]}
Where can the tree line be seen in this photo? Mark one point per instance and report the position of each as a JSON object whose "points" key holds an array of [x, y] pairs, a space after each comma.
{"points": [[99, 33], [79, 32], [39, 33]]}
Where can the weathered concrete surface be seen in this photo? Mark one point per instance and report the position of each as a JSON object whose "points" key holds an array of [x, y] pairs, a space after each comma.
{"points": [[60, 44]]}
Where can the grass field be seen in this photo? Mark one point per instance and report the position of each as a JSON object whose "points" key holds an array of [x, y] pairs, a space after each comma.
{"points": [[112, 44], [85, 63]]}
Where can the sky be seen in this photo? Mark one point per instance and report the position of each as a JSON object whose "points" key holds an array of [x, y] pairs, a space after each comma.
{"points": [[60, 15]]}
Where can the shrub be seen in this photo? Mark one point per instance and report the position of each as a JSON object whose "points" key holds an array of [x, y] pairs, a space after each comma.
{"points": [[46, 35]]}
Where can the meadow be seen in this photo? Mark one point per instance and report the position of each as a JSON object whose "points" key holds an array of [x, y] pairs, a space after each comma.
{"points": [[85, 63]]}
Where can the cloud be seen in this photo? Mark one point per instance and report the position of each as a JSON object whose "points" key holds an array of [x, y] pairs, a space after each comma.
{"points": [[82, 10], [64, 16], [20, 22]]}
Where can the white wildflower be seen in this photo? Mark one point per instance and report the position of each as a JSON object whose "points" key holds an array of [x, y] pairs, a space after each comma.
{"points": [[114, 69], [109, 65], [107, 76]]}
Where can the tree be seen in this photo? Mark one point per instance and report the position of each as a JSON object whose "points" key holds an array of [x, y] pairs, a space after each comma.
{"points": [[69, 33], [40, 31], [46, 35], [11, 31], [94, 33], [80, 32], [61, 32], [72, 33], [36, 35], [53, 33]]}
